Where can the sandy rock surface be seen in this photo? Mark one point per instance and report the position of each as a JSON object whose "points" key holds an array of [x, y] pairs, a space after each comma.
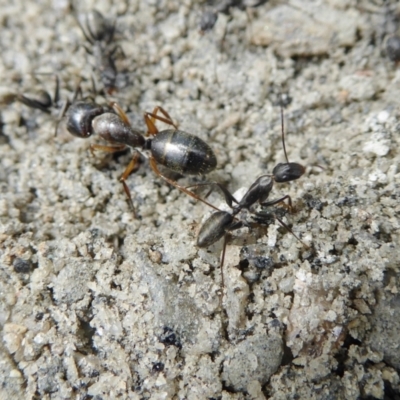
{"points": [[98, 304]]}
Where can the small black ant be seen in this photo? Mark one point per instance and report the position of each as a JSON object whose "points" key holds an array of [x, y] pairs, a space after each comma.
{"points": [[39, 99], [177, 150], [80, 116], [99, 32], [220, 223]]}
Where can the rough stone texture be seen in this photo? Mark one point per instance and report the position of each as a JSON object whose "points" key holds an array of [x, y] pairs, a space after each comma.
{"points": [[385, 327], [97, 304]]}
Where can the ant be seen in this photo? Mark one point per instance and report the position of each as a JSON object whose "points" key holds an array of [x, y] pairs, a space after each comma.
{"points": [[99, 32], [176, 150], [42, 100], [220, 223], [39, 99]]}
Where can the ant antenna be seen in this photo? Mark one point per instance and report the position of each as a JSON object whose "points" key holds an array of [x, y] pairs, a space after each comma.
{"points": [[283, 132]]}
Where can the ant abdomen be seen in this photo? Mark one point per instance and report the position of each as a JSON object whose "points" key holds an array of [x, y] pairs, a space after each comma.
{"points": [[214, 228], [182, 152]]}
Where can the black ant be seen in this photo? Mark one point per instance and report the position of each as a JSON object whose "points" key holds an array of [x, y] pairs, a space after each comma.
{"points": [[83, 111], [177, 150], [220, 223], [99, 32], [41, 100]]}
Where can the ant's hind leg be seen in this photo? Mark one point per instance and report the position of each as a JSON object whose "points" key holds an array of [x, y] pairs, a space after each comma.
{"points": [[154, 167], [281, 200], [128, 170], [107, 149], [229, 199]]}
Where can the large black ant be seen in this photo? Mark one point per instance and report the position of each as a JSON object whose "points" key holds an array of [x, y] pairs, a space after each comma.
{"points": [[177, 150], [220, 223], [99, 32]]}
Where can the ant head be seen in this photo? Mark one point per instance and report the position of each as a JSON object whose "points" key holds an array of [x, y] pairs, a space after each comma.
{"points": [[80, 116], [288, 172]]}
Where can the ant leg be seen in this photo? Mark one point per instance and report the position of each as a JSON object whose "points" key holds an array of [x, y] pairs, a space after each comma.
{"points": [[88, 50], [112, 32], [131, 166], [149, 119], [57, 90], [93, 82], [167, 119], [77, 91], [151, 128], [289, 230], [154, 167], [128, 169], [117, 48], [107, 149], [32, 103], [222, 268], [281, 200], [121, 113], [83, 30], [61, 115], [162, 111], [229, 199]]}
